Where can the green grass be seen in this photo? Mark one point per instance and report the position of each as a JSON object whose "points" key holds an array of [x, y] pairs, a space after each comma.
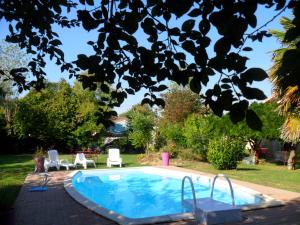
{"points": [[14, 169], [268, 174]]}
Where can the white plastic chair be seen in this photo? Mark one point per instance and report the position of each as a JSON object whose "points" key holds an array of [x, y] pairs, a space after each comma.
{"points": [[114, 157], [80, 159], [52, 161]]}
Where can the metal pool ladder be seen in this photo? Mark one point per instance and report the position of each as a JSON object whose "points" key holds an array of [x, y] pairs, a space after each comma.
{"points": [[198, 213], [209, 211], [230, 186], [193, 191]]}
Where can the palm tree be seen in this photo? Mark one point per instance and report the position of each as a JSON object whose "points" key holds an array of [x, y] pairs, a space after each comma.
{"points": [[284, 75]]}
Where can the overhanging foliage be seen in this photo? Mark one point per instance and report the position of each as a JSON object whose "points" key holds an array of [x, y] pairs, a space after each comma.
{"points": [[120, 57]]}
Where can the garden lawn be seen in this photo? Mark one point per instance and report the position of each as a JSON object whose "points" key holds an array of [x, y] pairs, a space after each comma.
{"points": [[14, 169], [268, 174]]}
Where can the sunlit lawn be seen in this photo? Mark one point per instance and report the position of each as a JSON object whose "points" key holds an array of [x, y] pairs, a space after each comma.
{"points": [[268, 174], [14, 168]]}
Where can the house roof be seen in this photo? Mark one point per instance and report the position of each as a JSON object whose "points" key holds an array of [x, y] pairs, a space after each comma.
{"points": [[119, 127]]}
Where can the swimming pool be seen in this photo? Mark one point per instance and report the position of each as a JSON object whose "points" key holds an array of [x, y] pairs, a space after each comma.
{"points": [[149, 194]]}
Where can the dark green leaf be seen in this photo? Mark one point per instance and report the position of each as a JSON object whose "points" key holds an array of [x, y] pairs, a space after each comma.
{"points": [[57, 8], [225, 86], [204, 26], [160, 102], [254, 74], [253, 120], [179, 56], [146, 101], [216, 108], [188, 25], [130, 24], [216, 90], [179, 8], [90, 2], [11, 29], [97, 14], [189, 46], [226, 80], [252, 20], [222, 46], [237, 111], [167, 15], [104, 88], [174, 31], [195, 13], [247, 49], [129, 91], [162, 87], [253, 93], [195, 85]]}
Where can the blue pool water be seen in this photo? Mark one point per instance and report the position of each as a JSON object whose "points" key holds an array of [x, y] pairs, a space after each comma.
{"points": [[138, 193]]}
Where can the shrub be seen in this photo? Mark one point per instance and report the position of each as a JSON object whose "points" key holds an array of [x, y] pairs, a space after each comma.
{"points": [[225, 152], [141, 125], [159, 141], [197, 130], [173, 133], [189, 154]]}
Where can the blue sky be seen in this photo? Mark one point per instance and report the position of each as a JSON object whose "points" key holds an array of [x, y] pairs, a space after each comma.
{"points": [[74, 42]]}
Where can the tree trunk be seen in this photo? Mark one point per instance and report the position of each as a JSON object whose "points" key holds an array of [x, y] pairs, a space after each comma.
{"points": [[291, 160]]}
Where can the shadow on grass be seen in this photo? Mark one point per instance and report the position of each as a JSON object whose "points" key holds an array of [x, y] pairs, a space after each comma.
{"points": [[247, 169], [11, 170], [8, 195], [279, 163], [11, 180], [11, 159]]}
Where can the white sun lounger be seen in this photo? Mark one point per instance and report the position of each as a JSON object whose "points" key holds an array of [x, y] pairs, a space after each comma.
{"points": [[81, 159]]}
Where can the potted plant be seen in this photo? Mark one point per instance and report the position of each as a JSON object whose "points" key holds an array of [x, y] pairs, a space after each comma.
{"points": [[168, 151], [39, 159]]}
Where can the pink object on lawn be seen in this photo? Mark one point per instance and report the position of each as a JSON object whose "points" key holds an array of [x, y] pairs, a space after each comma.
{"points": [[165, 158]]}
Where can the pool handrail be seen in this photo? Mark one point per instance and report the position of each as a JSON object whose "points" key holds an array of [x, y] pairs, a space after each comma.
{"points": [[230, 186], [198, 213], [193, 192]]}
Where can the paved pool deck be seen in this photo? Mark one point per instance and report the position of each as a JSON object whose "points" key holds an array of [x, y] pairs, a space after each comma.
{"points": [[56, 207]]}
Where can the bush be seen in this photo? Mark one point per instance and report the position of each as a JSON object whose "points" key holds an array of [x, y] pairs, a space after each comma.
{"points": [[225, 152], [197, 130], [189, 154], [159, 141], [173, 133]]}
